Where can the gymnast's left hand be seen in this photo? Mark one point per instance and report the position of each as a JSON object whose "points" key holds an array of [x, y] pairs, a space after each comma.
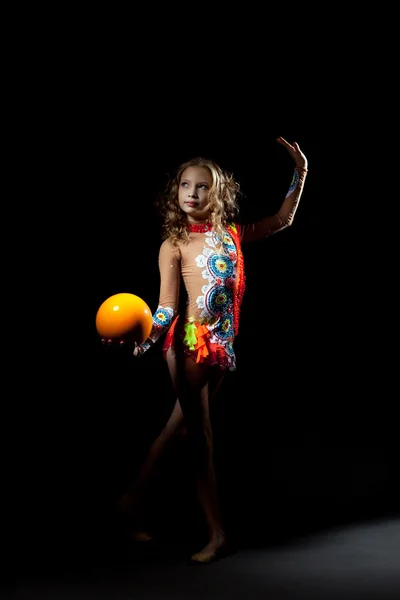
{"points": [[297, 155]]}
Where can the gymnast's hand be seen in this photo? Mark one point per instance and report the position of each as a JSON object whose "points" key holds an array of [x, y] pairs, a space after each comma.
{"points": [[117, 345], [294, 150], [125, 347]]}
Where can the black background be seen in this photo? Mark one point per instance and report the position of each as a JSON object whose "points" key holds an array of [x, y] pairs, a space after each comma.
{"points": [[305, 430]]}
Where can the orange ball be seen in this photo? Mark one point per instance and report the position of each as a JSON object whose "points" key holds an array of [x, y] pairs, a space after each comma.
{"points": [[124, 317]]}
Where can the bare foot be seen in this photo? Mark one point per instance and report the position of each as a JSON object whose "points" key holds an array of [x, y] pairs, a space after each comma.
{"points": [[217, 548], [130, 507]]}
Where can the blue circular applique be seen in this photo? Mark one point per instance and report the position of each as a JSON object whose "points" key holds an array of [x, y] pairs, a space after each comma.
{"points": [[217, 299], [228, 243], [224, 328], [220, 266], [293, 184], [162, 317], [229, 348]]}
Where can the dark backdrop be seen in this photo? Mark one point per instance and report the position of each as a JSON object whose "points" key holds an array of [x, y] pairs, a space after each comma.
{"points": [[304, 430]]}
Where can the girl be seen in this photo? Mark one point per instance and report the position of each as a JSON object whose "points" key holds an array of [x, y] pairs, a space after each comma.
{"points": [[202, 254]]}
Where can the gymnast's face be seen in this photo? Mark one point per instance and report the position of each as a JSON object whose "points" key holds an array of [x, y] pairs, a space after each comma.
{"points": [[193, 193]]}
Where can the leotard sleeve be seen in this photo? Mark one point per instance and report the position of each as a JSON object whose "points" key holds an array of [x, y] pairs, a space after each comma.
{"points": [[285, 215], [169, 262]]}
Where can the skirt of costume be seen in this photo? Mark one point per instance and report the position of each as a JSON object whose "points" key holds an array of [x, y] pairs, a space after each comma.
{"points": [[198, 344]]}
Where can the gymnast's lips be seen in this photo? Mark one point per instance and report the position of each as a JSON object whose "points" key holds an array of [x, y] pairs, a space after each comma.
{"points": [[189, 203]]}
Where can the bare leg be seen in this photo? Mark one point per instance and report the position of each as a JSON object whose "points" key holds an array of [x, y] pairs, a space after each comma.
{"points": [[193, 389], [131, 502], [206, 388], [175, 428]]}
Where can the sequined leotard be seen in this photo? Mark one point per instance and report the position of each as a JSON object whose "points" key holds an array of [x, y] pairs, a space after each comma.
{"points": [[214, 284]]}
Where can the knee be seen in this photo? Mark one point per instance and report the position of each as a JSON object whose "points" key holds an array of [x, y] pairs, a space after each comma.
{"points": [[169, 434]]}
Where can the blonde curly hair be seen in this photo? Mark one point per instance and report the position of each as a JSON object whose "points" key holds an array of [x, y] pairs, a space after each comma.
{"points": [[223, 196]]}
